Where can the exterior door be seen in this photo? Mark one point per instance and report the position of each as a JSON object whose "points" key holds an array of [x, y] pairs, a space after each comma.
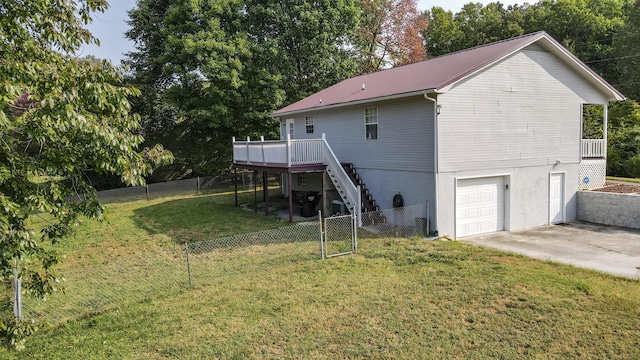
{"points": [[479, 206], [290, 128], [556, 198]]}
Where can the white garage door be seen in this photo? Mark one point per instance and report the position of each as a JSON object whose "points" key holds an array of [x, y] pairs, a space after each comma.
{"points": [[479, 206]]}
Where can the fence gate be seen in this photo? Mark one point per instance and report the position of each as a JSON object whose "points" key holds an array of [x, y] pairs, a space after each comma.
{"points": [[340, 236]]}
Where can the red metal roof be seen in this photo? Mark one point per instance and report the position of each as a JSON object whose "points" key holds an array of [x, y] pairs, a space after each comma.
{"points": [[433, 74]]}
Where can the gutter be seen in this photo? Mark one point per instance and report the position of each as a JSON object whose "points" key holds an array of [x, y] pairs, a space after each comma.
{"points": [[348, 103], [435, 153]]}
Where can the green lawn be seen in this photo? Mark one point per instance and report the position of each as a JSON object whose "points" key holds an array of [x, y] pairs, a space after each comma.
{"points": [[633, 180], [395, 298]]}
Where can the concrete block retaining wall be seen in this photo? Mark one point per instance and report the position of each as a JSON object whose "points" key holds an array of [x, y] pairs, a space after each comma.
{"points": [[609, 208]]}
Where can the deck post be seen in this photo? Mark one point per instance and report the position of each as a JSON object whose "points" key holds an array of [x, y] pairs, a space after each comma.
{"points": [[324, 191], [289, 151], [265, 193], [255, 192], [264, 162], [290, 197], [248, 140], [235, 183]]}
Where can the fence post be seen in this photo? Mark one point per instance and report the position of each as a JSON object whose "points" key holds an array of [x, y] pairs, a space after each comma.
{"points": [[321, 237], [354, 224], [186, 250], [147, 191], [198, 186], [427, 230]]}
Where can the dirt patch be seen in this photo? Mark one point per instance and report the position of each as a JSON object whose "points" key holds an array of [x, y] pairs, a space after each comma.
{"points": [[620, 189]]}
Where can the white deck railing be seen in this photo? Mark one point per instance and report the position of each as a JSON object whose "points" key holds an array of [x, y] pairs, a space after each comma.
{"points": [[594, 148], [287, 153], [278, 152]]}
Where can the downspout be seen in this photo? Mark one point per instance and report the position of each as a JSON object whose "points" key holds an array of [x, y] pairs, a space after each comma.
{"points": [[604, 132], [435, 155]]}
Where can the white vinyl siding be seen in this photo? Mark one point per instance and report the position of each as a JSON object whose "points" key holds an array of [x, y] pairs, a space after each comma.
{"points": [[407, 143], [523, 111]]}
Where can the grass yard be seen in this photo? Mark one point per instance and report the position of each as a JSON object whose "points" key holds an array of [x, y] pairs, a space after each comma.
{"points": [[395, 298], [633, 180]]}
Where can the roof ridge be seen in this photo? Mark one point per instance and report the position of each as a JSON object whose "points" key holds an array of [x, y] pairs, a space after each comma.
{"points": [[541, 32]]}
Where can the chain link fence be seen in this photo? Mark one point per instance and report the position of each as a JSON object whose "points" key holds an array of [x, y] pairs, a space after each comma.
{"points": [[212, 260], [340, 235], [408, 221], [99, 285], [102, 285]]}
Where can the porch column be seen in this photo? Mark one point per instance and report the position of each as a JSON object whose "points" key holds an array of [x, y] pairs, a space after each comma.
{"points": [[290, 197], [235, 183], [324, 191], [265, 192], [255, 192]]}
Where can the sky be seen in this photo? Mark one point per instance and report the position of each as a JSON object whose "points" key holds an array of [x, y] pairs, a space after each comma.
{"points": [[110, 26]]}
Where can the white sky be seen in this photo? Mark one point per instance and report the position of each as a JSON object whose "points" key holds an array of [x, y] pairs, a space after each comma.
{"points": [[111, 26]]}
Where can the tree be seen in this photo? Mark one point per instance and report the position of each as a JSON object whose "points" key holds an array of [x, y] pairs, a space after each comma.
{"points": [[194, 64], [443, 35], [472, 26], [305, 43], [60, 118], [623, 153], [389, 34], [214, 69], [626, 45]]}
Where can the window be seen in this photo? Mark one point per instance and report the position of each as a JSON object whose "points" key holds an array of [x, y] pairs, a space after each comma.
{"points": [[302, 179], [308, 121], [371, 123]]}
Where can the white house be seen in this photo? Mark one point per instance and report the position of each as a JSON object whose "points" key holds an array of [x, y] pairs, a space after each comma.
{"points": [[491, 137]]}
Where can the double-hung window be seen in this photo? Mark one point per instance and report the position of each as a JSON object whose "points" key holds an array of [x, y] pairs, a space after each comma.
{"points": [[308, 121], [371, 123]]}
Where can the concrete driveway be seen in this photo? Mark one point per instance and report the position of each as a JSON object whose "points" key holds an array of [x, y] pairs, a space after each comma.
{"points": [[608, 249]]}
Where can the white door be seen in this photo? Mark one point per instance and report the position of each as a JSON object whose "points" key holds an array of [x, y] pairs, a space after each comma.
{"points": [[290, 128], [479, 206], [556, 198]]}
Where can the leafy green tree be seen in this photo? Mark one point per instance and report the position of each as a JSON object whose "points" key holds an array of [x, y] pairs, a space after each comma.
{"points": [[306, 43], [195, 65], [472, 26], [60, 117], [627, 54], [214, 69], [623, 153], [443, 35]]}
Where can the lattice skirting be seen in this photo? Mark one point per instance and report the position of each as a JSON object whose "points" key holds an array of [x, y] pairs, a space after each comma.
{"points": [[592, 174]]}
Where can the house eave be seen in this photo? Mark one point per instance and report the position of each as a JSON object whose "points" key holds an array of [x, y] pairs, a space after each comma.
{"points": [[554, 47], [351, 103]]}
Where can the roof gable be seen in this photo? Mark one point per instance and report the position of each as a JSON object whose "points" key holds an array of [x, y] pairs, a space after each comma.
{"points": [[437, 74]]}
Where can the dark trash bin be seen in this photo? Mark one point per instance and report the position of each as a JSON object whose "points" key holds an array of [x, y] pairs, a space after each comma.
{"points": [[308, 203]]}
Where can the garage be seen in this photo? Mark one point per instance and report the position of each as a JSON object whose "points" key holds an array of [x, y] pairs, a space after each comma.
{"points": [[479, 205]]}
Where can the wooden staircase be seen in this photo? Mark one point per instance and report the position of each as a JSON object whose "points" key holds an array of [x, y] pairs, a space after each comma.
{"points": [[368, 203]]}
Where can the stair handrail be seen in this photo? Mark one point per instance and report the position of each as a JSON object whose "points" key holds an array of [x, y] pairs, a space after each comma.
{"points": [[352, 192]]}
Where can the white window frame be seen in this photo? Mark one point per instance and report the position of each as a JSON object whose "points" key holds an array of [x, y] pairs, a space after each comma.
{"points": [[308, 124], [371, 119]]}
